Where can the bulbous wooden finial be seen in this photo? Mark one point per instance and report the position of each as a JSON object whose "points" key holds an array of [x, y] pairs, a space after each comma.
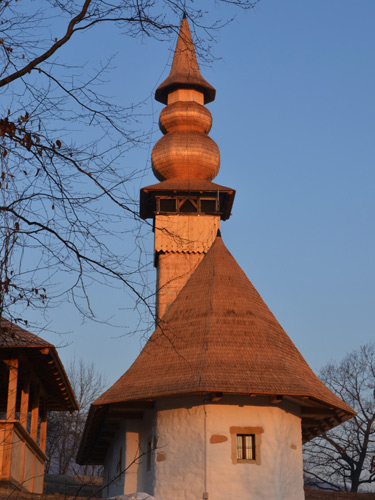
{"points": [[185, 151]]}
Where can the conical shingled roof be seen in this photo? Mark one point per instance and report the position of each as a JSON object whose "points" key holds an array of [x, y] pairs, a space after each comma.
{"points": [[185, 70], [219, 336]]}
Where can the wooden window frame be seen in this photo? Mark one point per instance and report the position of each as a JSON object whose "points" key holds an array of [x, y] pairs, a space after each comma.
{"points": [[244, 448], [256, 434]]}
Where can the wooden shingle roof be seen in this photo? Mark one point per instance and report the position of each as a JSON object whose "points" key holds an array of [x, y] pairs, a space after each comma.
{"points": [[12, 335], [218, 336], [42, 357]]}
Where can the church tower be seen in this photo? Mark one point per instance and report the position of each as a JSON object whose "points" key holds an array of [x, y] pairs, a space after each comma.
{"points": [[219, 401], [186, 206]]}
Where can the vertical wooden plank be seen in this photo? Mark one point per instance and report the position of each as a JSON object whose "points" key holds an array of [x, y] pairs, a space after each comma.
{"points": [[7, 449], [33, 475], [23, 462], [6, 437]]}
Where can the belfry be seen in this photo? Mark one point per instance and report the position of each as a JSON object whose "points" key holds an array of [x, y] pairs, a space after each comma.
{"points": [[219, 401]]}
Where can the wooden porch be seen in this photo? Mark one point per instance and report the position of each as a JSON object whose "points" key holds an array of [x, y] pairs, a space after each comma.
{"points": [[32, 382]]}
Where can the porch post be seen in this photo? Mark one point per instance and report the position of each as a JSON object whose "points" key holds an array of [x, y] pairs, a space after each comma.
{"points": [[7, 436], [35, 412], [12, 388], [25, 393], [43, 425]]}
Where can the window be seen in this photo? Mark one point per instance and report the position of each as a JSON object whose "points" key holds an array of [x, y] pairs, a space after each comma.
{"points": [[245, 446], [167, 205], [209, 206]]}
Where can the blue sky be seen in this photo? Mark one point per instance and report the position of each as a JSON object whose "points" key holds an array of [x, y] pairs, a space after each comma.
{"points": [[294, 118]]}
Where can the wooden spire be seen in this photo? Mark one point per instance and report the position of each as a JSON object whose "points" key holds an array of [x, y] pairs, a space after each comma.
{"points": [[185, 70], [185, 152]]}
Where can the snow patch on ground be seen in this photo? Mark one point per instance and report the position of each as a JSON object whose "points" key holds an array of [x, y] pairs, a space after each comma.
{"points": [[134, 496]]}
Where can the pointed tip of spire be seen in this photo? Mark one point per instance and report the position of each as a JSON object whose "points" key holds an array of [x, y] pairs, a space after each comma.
{"points": [[185, 71], [218, 234], [184, 16]]}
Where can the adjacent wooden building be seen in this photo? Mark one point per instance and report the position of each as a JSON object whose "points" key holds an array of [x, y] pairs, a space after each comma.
{"points": [[32, 382]]}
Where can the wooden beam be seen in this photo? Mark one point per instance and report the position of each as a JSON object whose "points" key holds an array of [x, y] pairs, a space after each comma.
{"points": [[131, 405], [216, 396], [43, 425], [120, 415], [12, 388], [276, 398], [25, 393], [35, 412], [316, 412], [311, 421]]}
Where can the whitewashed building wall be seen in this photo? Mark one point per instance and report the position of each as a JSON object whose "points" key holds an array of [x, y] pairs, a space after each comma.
{"points": [[189, 435]]}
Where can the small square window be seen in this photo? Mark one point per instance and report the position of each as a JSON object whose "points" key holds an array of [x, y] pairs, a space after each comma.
{"points": [[167, 205], [208, 206], [245, 446]]}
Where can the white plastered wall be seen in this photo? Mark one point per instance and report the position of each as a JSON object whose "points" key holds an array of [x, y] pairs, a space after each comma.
{"points": [[183, 444]]}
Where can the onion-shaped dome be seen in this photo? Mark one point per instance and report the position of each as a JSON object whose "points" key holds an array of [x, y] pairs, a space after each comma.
{"points": [[185, 155], [185, 115]]}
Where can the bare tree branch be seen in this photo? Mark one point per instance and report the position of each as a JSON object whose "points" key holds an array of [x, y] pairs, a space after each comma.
{"points": [[68, 217], [341, 458]]}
